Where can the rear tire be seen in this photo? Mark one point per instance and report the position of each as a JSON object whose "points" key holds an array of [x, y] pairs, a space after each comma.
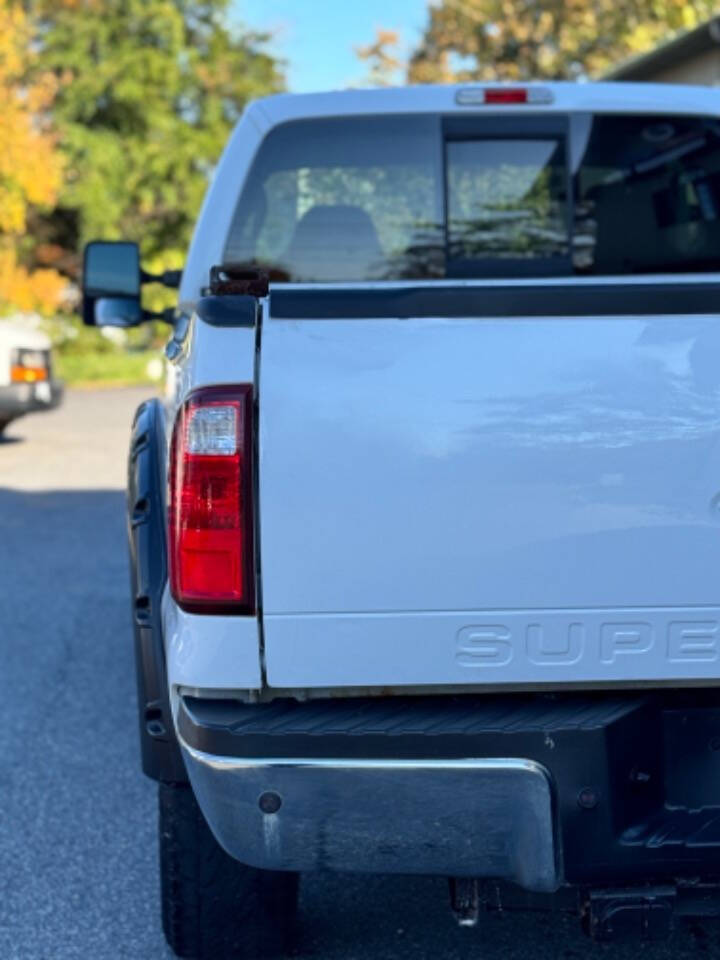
{"points": [[3, 424], [214, 908]]}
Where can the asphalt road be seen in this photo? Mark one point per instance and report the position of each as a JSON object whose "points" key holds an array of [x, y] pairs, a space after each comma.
{"points": [[77, 824]]}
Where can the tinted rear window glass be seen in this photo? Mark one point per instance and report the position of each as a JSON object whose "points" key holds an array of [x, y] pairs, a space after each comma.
{"points": [[344, 200], [391, 198], [648, 196], [506, 199]]}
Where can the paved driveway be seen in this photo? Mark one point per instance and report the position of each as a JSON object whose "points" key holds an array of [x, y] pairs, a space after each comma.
{"points": [[77, 824]]}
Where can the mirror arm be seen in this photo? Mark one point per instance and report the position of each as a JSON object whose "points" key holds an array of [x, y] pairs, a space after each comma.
{"points": [[168, 278], [164, 316]]}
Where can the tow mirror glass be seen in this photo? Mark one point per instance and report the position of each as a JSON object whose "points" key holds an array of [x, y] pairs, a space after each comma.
{"points": [[111, 272], [118, 312]]}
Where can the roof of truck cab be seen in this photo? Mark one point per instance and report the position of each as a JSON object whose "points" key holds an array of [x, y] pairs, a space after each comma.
{"points": [[594, 97]]}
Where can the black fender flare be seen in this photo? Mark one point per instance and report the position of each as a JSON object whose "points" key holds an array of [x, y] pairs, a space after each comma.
{"points": [[147, 540]]}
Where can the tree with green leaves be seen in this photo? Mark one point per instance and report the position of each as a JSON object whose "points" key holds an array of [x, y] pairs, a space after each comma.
{"points": [[147, 93], [535, 39]]}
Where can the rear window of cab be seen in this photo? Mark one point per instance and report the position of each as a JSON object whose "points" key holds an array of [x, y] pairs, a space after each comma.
{"points": [[420, 197]]}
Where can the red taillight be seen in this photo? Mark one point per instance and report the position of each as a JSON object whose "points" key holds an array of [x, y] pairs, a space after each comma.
{"points": [[210, 511]]}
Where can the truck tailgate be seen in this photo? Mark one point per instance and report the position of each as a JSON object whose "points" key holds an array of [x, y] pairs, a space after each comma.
{"points": [[490, 500]]}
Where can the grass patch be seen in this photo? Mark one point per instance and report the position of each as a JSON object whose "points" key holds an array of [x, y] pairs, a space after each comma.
{"points": [[116, 367]]}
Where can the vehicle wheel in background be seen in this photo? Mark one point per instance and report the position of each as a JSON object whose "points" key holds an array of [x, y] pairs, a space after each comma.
{"points": [[3, 424], [214, 908]]}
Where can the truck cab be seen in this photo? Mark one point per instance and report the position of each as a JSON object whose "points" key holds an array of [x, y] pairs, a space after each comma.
{"points": [[424, 536]]}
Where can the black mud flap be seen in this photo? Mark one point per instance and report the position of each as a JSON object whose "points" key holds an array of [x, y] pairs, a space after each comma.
{"points": [[161, 757]]}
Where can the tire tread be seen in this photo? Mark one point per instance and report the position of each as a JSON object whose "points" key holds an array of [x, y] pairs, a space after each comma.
{"points": [[214, 908]]}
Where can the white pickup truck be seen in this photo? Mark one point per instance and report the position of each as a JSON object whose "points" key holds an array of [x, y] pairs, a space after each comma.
{"points": [[425, 536], [27, 384]]}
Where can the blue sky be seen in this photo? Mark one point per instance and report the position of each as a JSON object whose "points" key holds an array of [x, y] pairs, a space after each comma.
{"points": [[316, 37]]}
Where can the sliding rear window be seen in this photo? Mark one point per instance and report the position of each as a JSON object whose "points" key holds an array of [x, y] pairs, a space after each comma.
{"points": [[390, 198]]}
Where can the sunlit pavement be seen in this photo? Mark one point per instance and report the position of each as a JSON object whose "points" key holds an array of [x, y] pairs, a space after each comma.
{"points": [[77, 831]]}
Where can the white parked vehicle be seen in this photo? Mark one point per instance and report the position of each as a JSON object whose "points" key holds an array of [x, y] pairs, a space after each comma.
{"points": [[425, 539], [27, 384]]}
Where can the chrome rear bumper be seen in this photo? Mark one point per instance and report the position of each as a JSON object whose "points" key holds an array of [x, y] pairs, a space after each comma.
{"points": [[473, 818], [609, 791]]}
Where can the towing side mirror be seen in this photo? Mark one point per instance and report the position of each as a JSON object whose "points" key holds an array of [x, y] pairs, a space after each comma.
{"points": [[111, 284], [112, 280]]}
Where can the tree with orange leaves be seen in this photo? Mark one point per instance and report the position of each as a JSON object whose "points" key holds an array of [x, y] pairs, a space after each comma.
{"points": [[382, 57], [30, 167]]}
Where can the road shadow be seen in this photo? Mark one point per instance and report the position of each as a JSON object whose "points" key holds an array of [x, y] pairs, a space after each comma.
{"points": [[78, 817], [57, 540], [78, 825]]}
